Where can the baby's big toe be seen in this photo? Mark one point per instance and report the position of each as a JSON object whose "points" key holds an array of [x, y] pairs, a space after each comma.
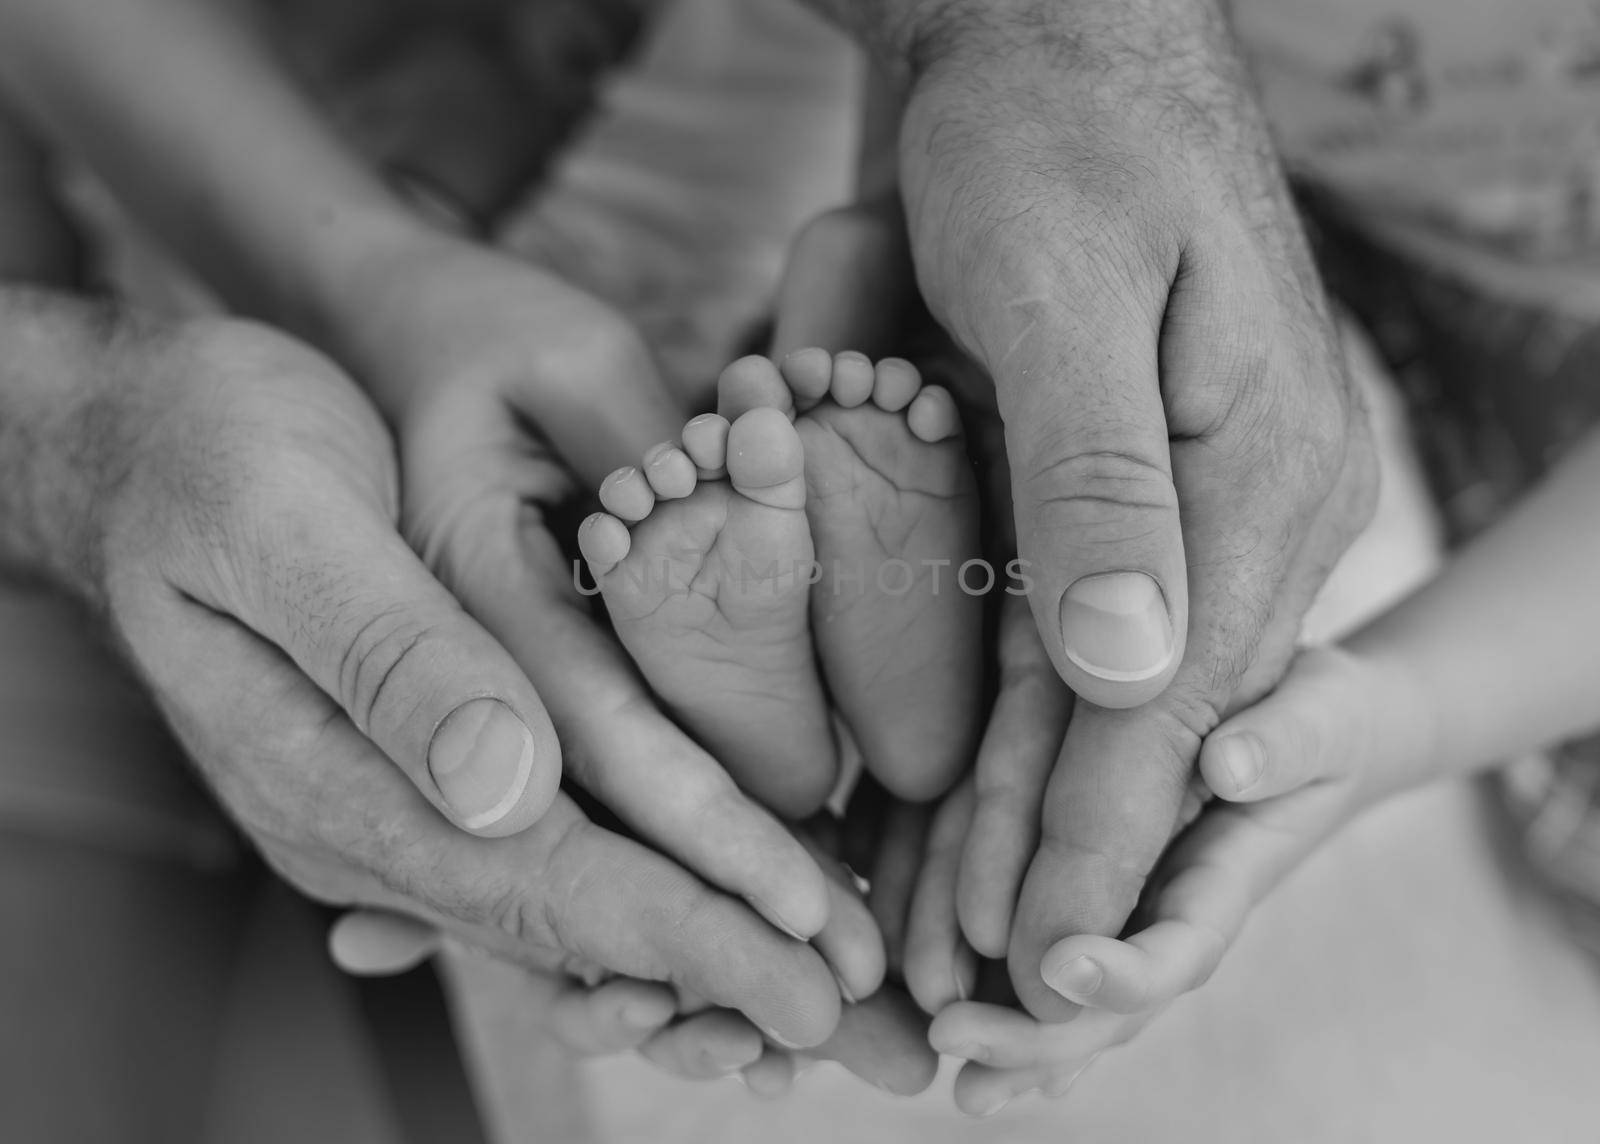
{"points": [[766, 461]]}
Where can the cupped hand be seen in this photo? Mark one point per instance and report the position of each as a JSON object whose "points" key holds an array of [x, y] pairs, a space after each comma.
{"points": [[492, 370], [236, 524], [1332, 740], [1102, 227]]}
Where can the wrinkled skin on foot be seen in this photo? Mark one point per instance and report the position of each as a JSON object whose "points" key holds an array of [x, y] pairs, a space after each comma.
{"points": [[707, 585]]}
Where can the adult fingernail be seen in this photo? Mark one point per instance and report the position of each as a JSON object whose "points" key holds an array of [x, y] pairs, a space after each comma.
{"points": [[844, 990], [1243, 758], [480, 759], [1115, 626], [973, 1051], [1076, 979]]}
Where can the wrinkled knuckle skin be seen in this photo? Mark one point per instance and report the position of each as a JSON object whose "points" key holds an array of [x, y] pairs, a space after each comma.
{"points": [[389, 648], [1092, 490]]}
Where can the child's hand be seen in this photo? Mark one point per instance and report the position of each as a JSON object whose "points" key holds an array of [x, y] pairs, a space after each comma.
{"points": [[1339, 734]]}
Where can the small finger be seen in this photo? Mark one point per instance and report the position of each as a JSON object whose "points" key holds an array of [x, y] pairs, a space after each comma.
{"points": [[1019, 748], [1295, 736], [771, 1076], [707, 1045], [610, 1017]]}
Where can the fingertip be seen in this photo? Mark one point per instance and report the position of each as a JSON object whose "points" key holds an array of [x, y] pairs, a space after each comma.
{"points": [[646, 1009], [376, 943], [1100, 973], [771, 1076], [495, 771], [1076, 976], [1119, 636], [1232, 763]]}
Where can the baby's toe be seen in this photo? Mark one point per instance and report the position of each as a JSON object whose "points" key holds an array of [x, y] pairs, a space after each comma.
{"points": [[809, 373], [895, 383], [752, 382], [932, 416], [604, 542], [766, 461], [627, 494], [705, 440], [853, 377], [670, 472]]}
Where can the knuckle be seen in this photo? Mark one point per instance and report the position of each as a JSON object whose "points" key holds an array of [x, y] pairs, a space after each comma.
{"points": [[1096, 491], [391, 647], [1187, 715]]}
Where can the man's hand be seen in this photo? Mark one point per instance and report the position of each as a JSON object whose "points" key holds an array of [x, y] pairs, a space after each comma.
{"points": [[227, 498], [1096, 217]]}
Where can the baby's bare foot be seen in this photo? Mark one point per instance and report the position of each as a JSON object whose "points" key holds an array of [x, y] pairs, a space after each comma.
{"points": [[703, 561], [893, 505]]}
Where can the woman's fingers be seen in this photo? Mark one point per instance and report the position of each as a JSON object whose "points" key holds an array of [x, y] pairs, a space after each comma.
{"points": [[1019, 749], [901, 831], [851, 941], [940, 967], [847, 283]]}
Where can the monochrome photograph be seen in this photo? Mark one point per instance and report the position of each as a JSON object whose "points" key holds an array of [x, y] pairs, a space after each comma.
{"points": [[799, 571]]}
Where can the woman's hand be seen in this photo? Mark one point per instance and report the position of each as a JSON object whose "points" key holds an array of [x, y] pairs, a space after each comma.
{"points": [[457, 342]]}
